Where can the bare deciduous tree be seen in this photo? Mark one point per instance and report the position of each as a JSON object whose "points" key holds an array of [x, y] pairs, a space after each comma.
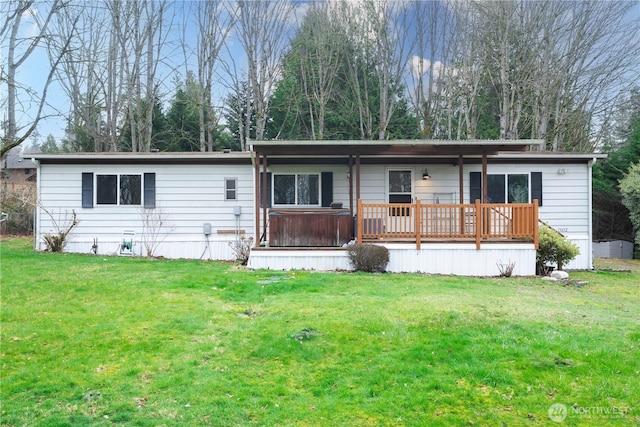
{"points": [[434, 39], [83, 76], [262, 34], [20, 47], [379, 35], [215, 21], [557, 67], [320, 49]]}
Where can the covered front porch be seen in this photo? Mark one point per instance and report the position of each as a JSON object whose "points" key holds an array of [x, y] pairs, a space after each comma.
{"points": [[426, 238], [380, 192]]}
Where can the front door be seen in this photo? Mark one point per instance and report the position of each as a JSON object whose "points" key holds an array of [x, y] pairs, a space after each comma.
{"points": [[400, 190]]}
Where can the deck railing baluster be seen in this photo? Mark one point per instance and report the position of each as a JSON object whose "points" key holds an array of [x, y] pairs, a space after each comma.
{"points": [[460, 222]]}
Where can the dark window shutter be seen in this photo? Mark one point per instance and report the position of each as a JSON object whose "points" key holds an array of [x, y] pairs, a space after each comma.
{"points": [[87, 189], [475, 186], [536, 187], [149, 190], [268, 189], [327, 189]]}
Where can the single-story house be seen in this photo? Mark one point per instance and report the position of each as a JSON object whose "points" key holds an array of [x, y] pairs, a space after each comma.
{"points": [[446, 207]]}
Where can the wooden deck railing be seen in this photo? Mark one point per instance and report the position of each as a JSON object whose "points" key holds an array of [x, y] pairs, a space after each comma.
{"points": [[474, 222]]}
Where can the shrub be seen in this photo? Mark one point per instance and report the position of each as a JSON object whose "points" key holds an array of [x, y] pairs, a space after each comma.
{"points": [[630, 189], [242, 249], [18, 203], [57, 242], [369, 258], [554, 249], [506, 268]]}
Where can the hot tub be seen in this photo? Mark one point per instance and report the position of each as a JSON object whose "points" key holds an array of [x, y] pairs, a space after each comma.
{"points": [[320, 227]]}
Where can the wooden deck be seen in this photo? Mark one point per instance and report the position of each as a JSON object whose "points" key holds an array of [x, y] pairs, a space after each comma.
{"points": [[419, 222]]}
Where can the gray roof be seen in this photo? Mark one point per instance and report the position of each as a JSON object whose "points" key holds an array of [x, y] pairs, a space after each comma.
{"points": [[17, 159]]}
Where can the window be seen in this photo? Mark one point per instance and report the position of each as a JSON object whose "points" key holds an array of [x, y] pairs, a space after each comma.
{"points": [[296, 189], [130, 189], [508, 188], [119, 189], [230, 189], [400, 190], [123, 189], [107, 189]]}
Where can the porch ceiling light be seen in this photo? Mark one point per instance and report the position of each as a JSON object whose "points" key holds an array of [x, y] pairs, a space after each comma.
{"points": [[425, 175]]}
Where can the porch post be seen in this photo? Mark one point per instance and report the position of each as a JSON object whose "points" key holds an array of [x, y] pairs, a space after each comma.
{"points": [[461, 191], [535, 224], [256, 185], [351, 183], [461, 178], [485, 191], [264, 197], [418, 217], [359, 223], [479, 221], [358, 177], [484, 177]]}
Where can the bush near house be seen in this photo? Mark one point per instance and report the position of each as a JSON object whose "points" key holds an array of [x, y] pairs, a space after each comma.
{"points": [[368, 258], [554, 248], [18, 203]]}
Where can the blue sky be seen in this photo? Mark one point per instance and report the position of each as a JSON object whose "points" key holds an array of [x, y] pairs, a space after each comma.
{"points": [[33, 73]]}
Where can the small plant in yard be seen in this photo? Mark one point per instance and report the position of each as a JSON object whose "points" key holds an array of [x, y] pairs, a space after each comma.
{"points": [[506, 269], [56, 242], [369, 258], [553, 248], [153, 228], [241, 248]]}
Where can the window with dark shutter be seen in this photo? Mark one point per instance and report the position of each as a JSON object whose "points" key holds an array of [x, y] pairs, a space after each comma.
{"points": [[87, 190], [536, 187], [268, 192], [475, 186], [150, 190], [327, 189]]}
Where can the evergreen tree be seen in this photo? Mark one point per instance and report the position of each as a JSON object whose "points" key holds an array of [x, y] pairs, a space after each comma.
{"points": [[183, 119], [611, 216]]}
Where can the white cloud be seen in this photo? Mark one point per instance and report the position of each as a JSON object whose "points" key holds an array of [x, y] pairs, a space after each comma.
{"points": [[419, 66], [29, 18]]}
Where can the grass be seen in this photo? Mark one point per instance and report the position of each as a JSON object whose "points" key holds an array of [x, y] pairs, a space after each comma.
{"points": [[95, 341]]}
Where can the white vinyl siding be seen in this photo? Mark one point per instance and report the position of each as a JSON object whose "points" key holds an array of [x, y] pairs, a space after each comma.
{"points": [[187, 196]]}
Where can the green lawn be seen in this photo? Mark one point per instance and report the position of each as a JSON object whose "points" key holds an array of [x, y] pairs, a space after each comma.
{"points": [[95, 341]]}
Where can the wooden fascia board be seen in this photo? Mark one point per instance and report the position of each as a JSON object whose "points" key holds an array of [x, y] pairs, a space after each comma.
{"points": [[378, 150]]}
